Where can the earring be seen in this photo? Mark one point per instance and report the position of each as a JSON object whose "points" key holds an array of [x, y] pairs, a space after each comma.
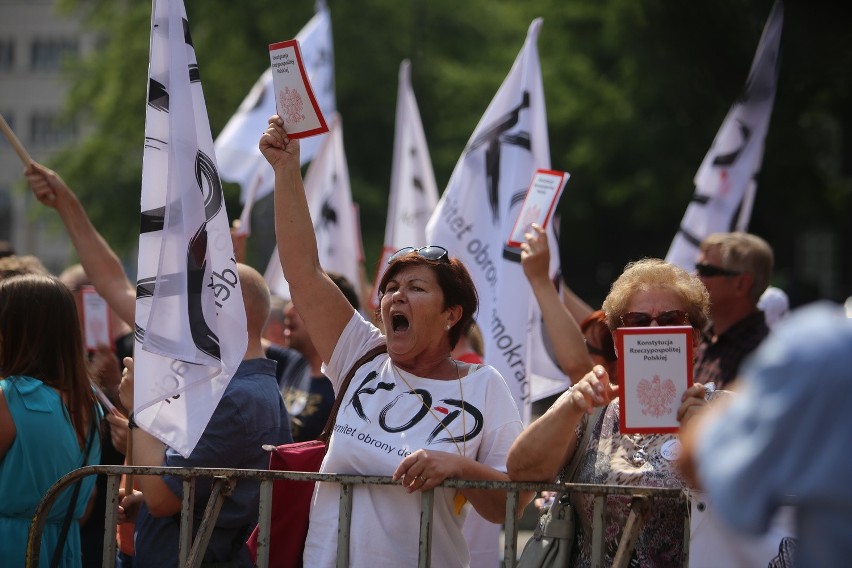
{"points": [[447, 327]]}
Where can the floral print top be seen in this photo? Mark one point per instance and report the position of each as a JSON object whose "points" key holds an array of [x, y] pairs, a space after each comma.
{"points": [[647, 460]]}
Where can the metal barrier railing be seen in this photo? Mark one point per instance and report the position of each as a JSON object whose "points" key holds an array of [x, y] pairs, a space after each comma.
{"points": [[191, 552]]}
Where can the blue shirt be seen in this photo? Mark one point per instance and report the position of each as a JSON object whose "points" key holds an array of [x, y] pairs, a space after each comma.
{"points": [[788, 437], [250, 414], [44, 449]]}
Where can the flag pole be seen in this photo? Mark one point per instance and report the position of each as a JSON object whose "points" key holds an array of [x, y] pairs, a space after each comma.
{"points": [[128, 460], [15, 142]]}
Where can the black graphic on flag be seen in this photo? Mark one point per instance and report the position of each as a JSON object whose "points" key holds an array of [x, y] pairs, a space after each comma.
{"points": [[196, 256], [493, 138], [158, 97]]}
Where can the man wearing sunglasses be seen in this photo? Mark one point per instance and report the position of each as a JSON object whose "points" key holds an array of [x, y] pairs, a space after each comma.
{"points": [[735, 268]]}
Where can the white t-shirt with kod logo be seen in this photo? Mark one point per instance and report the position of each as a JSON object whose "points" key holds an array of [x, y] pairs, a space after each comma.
{"points": [[379, 423]]}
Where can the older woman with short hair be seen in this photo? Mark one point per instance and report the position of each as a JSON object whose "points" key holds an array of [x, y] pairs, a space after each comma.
{"points": [[650, 292], [415, 412]]}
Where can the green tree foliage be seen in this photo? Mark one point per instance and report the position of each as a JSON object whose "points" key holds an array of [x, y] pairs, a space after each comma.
{"points": [[110, 86], [636, 91]]}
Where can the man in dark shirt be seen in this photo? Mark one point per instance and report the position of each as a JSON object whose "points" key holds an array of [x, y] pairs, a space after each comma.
{"points": [[249, 415], [735, 268], [307, 393]]}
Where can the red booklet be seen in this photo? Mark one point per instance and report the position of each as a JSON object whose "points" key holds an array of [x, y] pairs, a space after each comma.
{"points": [[543, 195], [294, 97], [95, 319], [654, 369]]}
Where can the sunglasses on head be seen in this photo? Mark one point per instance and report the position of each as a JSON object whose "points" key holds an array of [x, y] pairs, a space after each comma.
{"points": [[708, 270], [642, 319], [429, 252]]}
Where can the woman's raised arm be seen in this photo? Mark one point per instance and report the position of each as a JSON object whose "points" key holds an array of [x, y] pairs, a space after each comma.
{"points": [[324, 309], [567, 340]]}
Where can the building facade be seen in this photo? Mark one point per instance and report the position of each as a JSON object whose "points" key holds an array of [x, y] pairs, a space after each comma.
{"points": [[35, 42]]}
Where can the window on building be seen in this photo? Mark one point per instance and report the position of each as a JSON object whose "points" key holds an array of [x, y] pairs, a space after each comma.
{"points": [[49, 129], [48, 54], [7, 54]]}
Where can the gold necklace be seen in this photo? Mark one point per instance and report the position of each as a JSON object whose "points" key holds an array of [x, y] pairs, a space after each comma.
{"points": [[461, 451]]}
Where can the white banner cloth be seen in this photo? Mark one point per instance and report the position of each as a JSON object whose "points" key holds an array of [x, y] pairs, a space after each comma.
{"points": [[413, 190], [237, 150], [332, 212], [725, 181], [479, 208], [190, 318]]}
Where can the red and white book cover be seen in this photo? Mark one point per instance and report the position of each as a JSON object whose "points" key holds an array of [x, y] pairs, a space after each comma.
{"points": [[95, 319], [655, 368], [542, 196], [294, 97]]}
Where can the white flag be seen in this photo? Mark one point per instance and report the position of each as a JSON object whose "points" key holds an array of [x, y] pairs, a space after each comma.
{"points": [[725, 181], [477, 211], [413, 191], [329, 198], [274, 277], [190, 319], [236, 147]]}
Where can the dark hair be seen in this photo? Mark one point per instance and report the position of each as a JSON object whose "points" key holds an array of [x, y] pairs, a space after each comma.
{"points": [[454, 280], [40, 337], [594, 327], [6, 249], [347, 288]]}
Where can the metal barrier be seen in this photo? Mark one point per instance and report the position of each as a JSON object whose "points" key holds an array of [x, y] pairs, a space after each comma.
{"points": [[192, 552]]}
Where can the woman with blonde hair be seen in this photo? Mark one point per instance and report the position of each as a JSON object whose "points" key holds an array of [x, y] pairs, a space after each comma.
{"points": [[649, 292]]}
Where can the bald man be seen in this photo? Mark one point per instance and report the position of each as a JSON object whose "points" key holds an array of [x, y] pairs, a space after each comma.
{"points": [[250, 414]]}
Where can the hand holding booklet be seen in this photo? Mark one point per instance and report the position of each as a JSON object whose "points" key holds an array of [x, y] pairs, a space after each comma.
{"points": [[543, 195], [294, 97], [655, 368]]}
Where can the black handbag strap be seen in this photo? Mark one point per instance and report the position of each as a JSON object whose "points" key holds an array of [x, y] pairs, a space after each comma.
{"points": [[66, 522], [332, 415]]}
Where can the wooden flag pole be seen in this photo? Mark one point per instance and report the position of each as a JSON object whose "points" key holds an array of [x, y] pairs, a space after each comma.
{"points": [[16, 144]]}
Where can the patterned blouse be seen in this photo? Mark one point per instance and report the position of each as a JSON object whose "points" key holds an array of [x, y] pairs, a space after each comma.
{"points": [[647, 460]]}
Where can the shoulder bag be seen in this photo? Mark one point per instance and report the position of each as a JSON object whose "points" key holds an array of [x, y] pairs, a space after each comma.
{"points": [[291, 500], [553, 539]]}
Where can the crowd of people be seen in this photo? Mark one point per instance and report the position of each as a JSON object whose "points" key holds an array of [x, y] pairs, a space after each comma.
{"points": [[765, 389]]}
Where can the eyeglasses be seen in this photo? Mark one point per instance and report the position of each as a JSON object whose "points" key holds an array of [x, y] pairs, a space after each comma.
{"points": [[430, 252], [709, 271], [642, 319]]}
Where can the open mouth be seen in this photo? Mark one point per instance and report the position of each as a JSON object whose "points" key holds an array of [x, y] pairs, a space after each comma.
{"points": [[399, 322]]}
